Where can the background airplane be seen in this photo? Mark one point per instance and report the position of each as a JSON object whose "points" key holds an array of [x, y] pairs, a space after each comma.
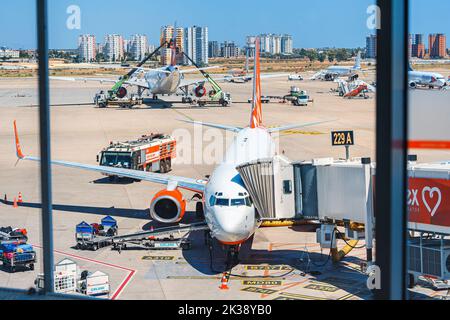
{"points": [[333, 72], [425, 79]]}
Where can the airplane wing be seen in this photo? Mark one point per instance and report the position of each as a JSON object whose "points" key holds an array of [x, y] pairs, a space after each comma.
{"points": [[295, 126], [174, 181], [132, 81], [214, 125], [101, 80]]}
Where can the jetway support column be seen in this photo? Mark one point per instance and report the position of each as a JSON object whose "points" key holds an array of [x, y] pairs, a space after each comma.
{"points": [[369, 225]]}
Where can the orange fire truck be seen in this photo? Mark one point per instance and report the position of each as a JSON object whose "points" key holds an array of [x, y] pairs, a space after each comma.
{"points": [[153, 153]]}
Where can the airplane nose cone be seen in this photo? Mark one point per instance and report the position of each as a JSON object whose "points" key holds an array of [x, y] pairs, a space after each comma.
{"points": [[233, 225]]}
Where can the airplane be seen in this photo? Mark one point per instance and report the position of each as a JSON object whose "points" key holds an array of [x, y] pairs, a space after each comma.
{"points": [[165, 80], [426, 79], [225, 201], [333, 72]]}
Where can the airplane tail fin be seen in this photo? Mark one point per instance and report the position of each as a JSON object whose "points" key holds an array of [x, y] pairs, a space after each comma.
{"points": [[19, 152], [256, 116], [357, 65]]}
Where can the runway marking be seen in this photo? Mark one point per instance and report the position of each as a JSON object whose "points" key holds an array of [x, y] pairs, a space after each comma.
{"points": [[322, 288], [158, 258], [183, 114], [259, 290], [123, 284], [262, 283], [268, 268], [306, 133], [301, 296], [346, 297]]}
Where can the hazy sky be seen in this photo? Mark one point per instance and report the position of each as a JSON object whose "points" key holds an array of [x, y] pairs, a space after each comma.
{"points": [[339, 23]]}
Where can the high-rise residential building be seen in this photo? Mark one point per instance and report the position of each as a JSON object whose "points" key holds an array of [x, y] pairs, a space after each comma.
{"points": [[371, 46], [275, 44], [166, 36], [213, 49], [287, 45], [196, 44], [417, 46], [228, 49], [87, 47], [138, 46], [437, 45], [250, 46], [113, 48]]}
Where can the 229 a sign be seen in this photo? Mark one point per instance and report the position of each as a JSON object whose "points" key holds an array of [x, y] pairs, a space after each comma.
{"points": [[342, 138]]}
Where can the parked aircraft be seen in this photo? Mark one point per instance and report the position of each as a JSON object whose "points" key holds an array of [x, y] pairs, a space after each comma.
{"points": [[225, 201]]}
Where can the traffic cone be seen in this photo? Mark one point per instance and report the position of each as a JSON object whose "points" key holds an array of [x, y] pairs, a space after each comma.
{"points": [[15, 203], [20, 200], [224, 282]]}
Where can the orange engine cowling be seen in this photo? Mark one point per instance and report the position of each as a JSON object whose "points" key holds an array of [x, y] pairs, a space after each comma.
{"points": [[168, 206]]}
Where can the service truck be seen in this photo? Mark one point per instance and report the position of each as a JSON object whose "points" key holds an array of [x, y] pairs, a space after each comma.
{"points": [[153, 153]]}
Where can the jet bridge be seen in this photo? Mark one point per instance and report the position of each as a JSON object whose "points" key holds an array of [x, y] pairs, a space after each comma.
{"points": [[321, 189]]}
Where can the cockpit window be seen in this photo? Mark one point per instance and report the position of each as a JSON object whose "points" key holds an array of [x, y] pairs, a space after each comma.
{"points": [[222, 202], [212, 201], [238, 202]]}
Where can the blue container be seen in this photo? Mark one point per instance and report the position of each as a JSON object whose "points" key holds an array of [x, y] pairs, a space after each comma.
{"points": [[109, 222], [84, 227], [25, 247], [8, 247]]}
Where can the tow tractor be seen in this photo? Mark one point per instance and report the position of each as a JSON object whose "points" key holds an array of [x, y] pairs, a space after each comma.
{"points": [[152, 153], [214, 97], [103, 100], [296, 96]]}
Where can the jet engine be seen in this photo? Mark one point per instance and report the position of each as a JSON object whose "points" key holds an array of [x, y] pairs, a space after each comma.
{"points": [[121, 92], [200, 91], [168, 206], [412, 85]]}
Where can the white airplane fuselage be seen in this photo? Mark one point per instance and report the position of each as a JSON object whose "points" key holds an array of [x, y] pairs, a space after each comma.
{"points": [[165, 81], [430, 79], [229, 214]]}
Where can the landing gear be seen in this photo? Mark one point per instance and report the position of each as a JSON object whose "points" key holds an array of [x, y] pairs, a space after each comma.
{"points": [[186, 100], [155, 97], [232, 256]]}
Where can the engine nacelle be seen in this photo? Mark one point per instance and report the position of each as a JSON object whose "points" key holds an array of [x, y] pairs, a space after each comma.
{"points": [[200, 91], [412, 85], [168, 206], [121, 92]]}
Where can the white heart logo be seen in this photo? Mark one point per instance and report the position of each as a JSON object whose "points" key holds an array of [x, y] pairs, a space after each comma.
{"points": [[431, 192]]}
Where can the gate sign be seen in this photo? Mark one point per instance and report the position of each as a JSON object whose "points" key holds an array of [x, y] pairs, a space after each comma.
{"points": [[429, 201], [342, 138]]}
